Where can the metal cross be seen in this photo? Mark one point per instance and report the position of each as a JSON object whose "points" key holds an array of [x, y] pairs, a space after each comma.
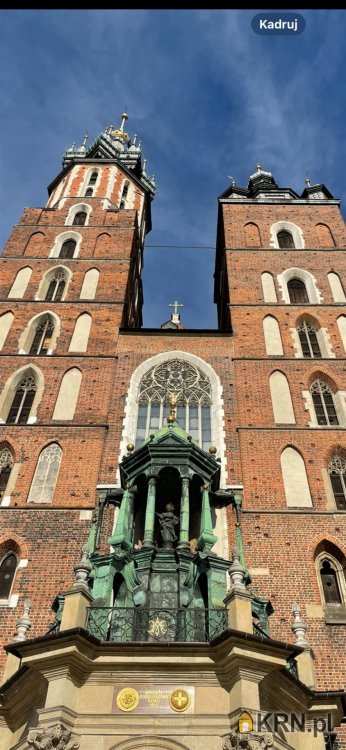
{"points": [[175, 305]]}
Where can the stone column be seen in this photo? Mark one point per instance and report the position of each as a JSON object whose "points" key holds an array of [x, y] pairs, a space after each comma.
{"points": [[184, 514], [150, 514]]}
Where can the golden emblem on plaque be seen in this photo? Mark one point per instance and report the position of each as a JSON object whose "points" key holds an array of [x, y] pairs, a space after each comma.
{"points": [[179, 700], [157, 626], [127, 699]]}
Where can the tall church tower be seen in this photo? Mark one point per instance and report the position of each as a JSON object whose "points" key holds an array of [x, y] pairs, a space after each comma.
{"points": [[70, 278], [279, 287], [172, 500]]}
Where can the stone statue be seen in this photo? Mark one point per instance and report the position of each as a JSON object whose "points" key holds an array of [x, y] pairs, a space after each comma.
{"points": [[168, 521]]}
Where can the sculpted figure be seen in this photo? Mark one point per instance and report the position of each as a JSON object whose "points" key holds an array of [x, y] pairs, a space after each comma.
{"points": [[168, 520]]}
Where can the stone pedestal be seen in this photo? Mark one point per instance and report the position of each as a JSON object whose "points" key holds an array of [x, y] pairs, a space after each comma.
{"points": [[239, 610], [75, 608]]}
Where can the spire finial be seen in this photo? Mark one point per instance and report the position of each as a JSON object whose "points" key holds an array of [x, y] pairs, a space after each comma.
{"points": [[23, 624], [86, 136], [233, 183], [299, 627], [307, 182], [124, 117], [175, 315], [258, 167]]}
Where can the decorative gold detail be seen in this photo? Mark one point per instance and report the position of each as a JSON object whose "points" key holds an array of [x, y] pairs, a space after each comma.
{"points": [[179, 700], [245, 723], [127, 699], [130, 447], [158, 626], [172, 400], [212, 450]]}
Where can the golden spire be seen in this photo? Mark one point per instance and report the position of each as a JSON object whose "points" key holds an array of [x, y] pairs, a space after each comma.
{"points": [[120, 132]]}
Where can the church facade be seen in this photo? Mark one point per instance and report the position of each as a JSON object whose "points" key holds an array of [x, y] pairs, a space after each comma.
{"points": [[172, 540]]}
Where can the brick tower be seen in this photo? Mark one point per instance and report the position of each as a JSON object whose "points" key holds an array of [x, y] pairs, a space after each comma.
{"points": [[142, 460]]}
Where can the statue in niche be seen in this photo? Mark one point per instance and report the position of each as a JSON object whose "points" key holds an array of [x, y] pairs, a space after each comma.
{"points": [[168, 520]]}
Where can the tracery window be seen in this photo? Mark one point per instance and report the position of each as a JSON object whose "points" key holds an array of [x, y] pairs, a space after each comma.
{"points": [[323, 401], [8, 568], [67, 249], [22, 401], [193, 391], [297, 291], [6, 464], [80, 218], [56, 287], [46, 474], [308, 340], [337, 474], [42, 337], [285, 239]]}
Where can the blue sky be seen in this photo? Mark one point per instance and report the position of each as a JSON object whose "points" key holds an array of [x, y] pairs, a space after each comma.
{"points": [[207, 96]]}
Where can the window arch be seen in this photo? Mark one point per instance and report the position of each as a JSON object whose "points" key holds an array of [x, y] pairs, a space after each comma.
{"points": [[20, 408], [8, 568], [20, 283], [80, 336], [21, 396], [40, 335], [268, 287], [281, 398], [323, 401], [124, 194], [299, 286], [330, 565], [5, 324], [90, 184], [54, 284], [297, 291], [336, 287], [67, 399], [90, 282], [285, 239], [66, 245], [252, 235], [46, 475], [341, 323], [6, 466], [337, 476], [295, 479], [78, 215], [287, 233], [308, 334], [193, 406], [272, 336], [56, 287], [324, 236]]}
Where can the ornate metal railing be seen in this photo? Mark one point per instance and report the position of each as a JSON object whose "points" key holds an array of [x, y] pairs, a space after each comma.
{"points": [[121, 625]]}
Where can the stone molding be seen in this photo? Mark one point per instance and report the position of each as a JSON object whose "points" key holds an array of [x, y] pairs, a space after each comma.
{"points": [[249, 741]]}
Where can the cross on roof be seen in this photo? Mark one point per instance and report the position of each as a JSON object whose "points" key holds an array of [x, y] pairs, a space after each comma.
{"points": [[175, 305]]}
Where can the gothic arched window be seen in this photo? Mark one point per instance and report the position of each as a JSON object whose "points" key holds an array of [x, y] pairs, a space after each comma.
{"points": [[308, 340], [22, 401], [8, 568], [80, 218], [323, 402], [89, 193], [67, 249], [42, 336], [285, 239], [330, 584], [46, 474], [93, 178], [297, 291], [193, 391], [56, 287], [337, 475], [6, 464]]}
